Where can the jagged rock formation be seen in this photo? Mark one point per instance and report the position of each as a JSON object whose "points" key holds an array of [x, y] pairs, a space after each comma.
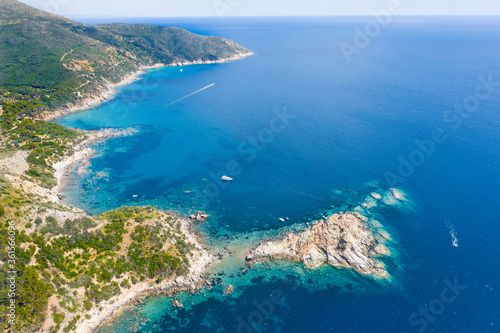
{"points": [[343, 240], [199, 217], [177, 304]]}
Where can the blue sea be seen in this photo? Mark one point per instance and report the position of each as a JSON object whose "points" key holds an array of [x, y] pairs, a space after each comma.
{"points": [[315, 121]]}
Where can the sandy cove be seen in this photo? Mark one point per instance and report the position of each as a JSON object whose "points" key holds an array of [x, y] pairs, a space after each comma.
{"points": [[83, 153], [109, 91], [107, 94], [14, 167]]}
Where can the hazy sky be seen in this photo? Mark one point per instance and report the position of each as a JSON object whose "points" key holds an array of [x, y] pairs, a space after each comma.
{"points": [[169, 8]]}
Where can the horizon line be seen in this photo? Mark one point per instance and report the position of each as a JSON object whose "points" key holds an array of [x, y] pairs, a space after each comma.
{"points": [[278, 16]]}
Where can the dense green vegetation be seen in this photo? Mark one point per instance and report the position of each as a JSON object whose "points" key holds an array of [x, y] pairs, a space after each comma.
{"points": [[169, 44], [46, 142], [103, 255], [32, 301]]}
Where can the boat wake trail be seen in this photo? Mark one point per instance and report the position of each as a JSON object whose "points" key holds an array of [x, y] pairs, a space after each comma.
{"points": [[188, 95], [453, 234]]}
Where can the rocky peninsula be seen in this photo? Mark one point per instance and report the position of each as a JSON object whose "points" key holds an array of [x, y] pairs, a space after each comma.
{"points": [[342, 240]]}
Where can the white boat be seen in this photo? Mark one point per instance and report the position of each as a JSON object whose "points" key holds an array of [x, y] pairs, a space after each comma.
{"points": [[282, 219], [135, 196], [226, 178]]}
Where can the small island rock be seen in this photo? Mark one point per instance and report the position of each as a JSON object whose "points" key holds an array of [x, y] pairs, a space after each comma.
{"points": [[199, 217], [398, 194], [229, 290], [177, 304]]}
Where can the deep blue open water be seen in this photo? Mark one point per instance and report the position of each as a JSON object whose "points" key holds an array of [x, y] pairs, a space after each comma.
{"points": [[304, 132]]}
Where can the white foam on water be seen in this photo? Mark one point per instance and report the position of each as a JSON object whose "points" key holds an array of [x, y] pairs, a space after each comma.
{"points": [[453, 234]]}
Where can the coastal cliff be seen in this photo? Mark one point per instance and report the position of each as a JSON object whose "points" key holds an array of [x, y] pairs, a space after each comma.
{"points": [[342, 240]]}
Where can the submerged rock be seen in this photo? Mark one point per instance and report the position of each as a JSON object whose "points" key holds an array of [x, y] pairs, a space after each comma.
{"points": [[229, 290], [177, 304], [398, 194], [369, 203], [376, 196], [384, 234], [343, 240], [382, 250]]}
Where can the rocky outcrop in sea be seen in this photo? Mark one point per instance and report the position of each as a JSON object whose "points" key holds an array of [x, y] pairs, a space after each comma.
{"points": [[342, 240]]}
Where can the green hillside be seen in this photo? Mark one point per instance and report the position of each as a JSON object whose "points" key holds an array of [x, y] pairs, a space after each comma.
{"points": [[50, 58]]}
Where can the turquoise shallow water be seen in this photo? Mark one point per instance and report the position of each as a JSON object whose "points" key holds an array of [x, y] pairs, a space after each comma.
{"points": [[346, 126]]}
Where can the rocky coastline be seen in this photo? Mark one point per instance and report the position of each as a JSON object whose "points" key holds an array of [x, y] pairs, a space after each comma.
{"points": [[34, 199], [342, 240], [192, 281]]}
